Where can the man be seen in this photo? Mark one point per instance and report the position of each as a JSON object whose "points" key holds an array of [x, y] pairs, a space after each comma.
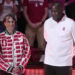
{"points": [[14, 49], [59, 33], [35, 12]]}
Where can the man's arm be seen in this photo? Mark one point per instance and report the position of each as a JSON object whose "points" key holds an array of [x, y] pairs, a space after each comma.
{"points": [[73, 31], [43, 18], [26, 14], [45, 14], [27, 17]]}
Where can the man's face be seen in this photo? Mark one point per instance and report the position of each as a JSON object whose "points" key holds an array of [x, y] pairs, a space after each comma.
{"points": [[56, 12], [9, 24]]}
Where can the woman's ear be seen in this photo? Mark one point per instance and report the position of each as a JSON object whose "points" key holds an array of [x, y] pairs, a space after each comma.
{"points": [[4, 23]]}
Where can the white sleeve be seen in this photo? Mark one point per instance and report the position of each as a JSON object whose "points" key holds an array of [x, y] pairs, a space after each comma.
{"points": [[45, 32], [73, 31]]}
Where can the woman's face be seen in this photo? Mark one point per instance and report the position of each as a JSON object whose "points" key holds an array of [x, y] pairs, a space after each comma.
{"points": [[10, 24]]}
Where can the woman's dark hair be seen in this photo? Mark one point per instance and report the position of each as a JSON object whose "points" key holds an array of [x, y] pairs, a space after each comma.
{"points": [[9, 16]]}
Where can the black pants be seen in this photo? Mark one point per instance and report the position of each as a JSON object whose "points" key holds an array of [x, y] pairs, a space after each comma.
{"points": [[53, 70], [4, 73]]}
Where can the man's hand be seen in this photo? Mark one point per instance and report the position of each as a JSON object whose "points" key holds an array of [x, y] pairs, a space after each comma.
{"points": [[31, 24], [35, 25], [38, 24], [16, 71]]}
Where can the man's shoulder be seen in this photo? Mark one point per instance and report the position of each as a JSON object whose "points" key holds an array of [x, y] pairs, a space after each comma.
{"points": [[69, 22], [2, 33], [69, 19], [20, 33], [48, 21]]}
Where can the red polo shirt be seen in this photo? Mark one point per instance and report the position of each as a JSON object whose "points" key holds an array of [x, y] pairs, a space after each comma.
{"points": [[36, 9]]}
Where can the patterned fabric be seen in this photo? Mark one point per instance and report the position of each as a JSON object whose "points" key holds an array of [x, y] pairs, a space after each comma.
{"points": [[37, 71], [14, 50]]}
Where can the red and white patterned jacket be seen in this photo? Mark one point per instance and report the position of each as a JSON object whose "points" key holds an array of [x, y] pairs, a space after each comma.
{"points": [[14, 50]]}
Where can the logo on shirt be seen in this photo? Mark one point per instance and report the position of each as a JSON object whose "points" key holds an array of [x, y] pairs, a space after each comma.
{"points": [[41, 3], [4, 42], [20, 39], [63, 28]]}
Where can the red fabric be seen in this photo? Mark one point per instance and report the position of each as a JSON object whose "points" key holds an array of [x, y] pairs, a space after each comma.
{"points": [[34, 71], [35, 9], [13, 46]]}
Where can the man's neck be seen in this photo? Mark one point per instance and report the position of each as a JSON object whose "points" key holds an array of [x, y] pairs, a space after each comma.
{"points": [[58, 20]]}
